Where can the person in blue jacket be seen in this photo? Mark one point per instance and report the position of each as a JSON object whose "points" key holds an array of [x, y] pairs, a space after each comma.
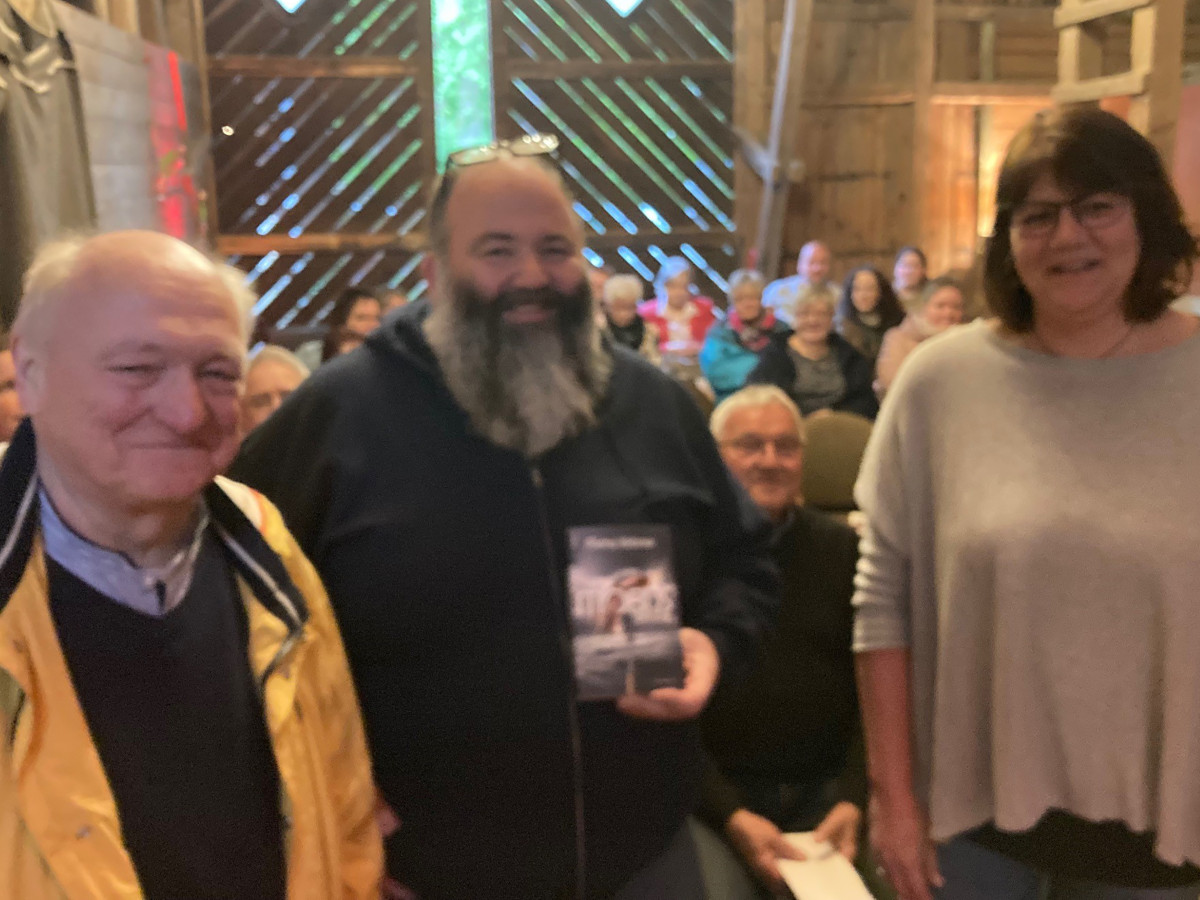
{"points": [[731, 348]]}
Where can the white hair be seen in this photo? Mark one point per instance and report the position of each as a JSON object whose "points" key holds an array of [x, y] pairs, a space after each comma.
{"points": [[43, 282], [752, 397], [744, 276], [672, 267], [275, 353], [55, 264], [623, 286]]}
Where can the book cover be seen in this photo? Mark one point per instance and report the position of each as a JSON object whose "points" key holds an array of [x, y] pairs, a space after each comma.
{"points": [[624, 610]]}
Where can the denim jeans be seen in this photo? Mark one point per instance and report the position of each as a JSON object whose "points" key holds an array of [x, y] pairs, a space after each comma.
{"points": [[973, 872]]}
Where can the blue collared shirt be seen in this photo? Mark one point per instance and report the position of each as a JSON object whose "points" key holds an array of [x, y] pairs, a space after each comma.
{"points": [[153, 592]]}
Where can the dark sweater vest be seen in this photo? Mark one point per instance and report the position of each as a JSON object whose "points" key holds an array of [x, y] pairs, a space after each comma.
{"points": [[794, 720], [175, 716]]}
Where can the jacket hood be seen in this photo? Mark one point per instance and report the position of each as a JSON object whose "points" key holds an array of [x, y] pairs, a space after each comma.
{"points": [[402, 335]]}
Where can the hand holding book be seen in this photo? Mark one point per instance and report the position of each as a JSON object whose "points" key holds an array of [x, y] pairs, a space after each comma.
{"points": [[701, 665]]}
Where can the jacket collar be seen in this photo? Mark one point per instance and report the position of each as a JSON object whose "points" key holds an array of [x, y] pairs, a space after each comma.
{"points": [[249, 552]]}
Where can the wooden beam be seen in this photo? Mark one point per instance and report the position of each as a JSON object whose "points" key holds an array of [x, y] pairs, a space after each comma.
{"points": [[859, 12], [785, 123], [1126, 84], [260, 245], [695, 236], [1027, 15], [312, 67], [1089, 11], [947, 12], [750, 81], [1080, 53], [883, 96], [635, 69], [987, 93], [1156, 47], [924, 40]]}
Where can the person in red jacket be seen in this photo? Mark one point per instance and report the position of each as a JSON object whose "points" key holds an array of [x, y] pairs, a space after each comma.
{"points": [[681, 315]]}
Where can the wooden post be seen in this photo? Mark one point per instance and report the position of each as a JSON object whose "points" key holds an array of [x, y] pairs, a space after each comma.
{"points": [[1157, 48], [1154, 79], [749, 112], [924, 28], [785, 121]]}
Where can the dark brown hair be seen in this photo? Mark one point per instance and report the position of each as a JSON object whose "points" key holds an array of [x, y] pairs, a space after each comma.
{"points": [[890, 312], [1086, 150]]}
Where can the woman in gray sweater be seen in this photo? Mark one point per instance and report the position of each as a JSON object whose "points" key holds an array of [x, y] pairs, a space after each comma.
{"points": [[1028, 603]]}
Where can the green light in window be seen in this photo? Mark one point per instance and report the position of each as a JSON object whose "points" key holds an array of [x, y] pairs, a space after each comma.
{"points": [[462, 75]]}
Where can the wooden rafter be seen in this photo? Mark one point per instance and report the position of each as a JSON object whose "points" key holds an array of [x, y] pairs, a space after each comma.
{"points": [[785, 115], [1154, 79]]}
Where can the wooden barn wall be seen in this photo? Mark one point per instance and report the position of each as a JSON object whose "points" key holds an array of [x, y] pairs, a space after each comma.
{"points": [[858, 128], [857, 149]]}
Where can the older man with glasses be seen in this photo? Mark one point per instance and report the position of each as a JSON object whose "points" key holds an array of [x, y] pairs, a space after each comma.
{"points": [[437, 477], [785, 748]]}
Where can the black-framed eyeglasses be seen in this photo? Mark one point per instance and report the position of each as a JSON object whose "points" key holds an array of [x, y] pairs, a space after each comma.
{"points": [[787, 447], [1037, 219], [525, 145]]}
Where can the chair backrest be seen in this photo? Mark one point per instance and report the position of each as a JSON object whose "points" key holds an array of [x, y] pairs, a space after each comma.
{"points": [[832, 455]]}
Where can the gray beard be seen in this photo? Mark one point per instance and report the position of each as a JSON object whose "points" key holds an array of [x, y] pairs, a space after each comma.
{"points": [[525, 388]]}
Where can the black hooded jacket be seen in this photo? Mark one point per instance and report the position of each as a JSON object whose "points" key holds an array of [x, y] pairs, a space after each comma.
{"points": [[445, 558]]}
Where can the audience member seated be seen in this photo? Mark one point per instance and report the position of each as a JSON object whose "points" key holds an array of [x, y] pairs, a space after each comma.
{"points": [[390, 298], [867, 310], [681, 316], [909, 275], [620, 297], [784, 748], [940, 306], [355, 315], [817, 367], [731, 349], [785, 295], [11, 411], [597, 277], [273, 373]]}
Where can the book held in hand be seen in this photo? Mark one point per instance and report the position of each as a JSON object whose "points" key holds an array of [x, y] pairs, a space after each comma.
{"points": [[624, 610]]}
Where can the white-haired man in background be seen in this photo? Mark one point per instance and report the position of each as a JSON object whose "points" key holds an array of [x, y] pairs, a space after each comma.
{"points": [[785, 747], [271, 376]]}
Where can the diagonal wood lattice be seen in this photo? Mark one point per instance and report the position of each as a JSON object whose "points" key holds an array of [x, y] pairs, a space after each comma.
{"points": [[323, 146], [644, 107]]}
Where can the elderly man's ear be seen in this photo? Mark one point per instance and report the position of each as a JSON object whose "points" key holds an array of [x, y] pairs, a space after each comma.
{"points": [[29, 375]]}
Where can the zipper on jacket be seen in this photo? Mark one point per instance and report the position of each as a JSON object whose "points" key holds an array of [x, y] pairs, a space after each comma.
{"points": [[564, 643]]}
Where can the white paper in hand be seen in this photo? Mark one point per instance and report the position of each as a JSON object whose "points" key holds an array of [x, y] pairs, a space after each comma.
{"points": [[823, 874]]}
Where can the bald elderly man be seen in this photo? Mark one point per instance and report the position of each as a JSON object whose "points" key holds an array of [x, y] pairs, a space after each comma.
{"points": [[433, 476], [784, 295], [177, 714]]}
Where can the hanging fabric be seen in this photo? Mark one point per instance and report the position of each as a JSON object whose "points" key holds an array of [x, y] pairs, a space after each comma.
{"points": [[45, 183]]}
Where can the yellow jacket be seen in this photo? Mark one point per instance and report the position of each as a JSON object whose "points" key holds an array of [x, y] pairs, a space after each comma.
{"points": [[60, 835]]}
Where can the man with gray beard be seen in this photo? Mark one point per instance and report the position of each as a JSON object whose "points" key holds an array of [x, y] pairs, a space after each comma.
{"points": [[433, 475], [524, 386]]}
